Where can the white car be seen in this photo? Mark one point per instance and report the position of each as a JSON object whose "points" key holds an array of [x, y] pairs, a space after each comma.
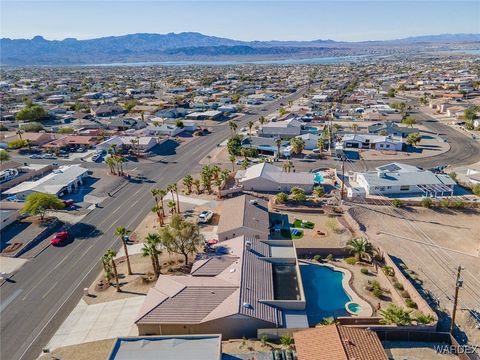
{"points": [[205, 216], [35, 156], [49, 156]]}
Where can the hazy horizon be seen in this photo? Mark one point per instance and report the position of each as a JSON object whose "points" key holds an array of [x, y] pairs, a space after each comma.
{"points": [[249, 20]]}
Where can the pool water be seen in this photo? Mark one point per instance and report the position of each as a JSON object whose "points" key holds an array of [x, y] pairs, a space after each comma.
{"points": [[324, 292], [354, 307], [318, 178], [311, 129]]}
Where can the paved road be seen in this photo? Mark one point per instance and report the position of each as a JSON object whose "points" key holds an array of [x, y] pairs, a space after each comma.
{"points": [[42, 294]]}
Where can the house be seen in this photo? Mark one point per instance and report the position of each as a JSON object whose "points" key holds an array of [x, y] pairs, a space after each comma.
{"points": [[364, 141], [231, 291], [337, 342], [311, 140], [59, 182], [266, 177], [397, 179], [13, 173], [243, 215], [188, 125], [145, 143], [165, 129], [267, 146], [205, 115], [72, 141], [286, 129], [173, 113], [9, 213], [392, 129], [176, 347], [114, 141], [35, 139], [123, 124], [106, 110]]}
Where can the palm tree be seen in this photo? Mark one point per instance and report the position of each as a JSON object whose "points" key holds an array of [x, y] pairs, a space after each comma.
{"points": [[355, 128], [298, 144], [286, 341], [109, 258], [218, 183], [262, 120], [19, 132], [329, 321], [158, 210], [110, 161], [233, 126], [188, 182], [174, 191], [171, 189], [321, 144], [172, 206], [196, 183], [361, 248], [394, 314], [161, 194], [278, 142], [250, 126], [155, 193], [421, 318], [232, 159], [122, 233], [150, 248], [215, 170]]}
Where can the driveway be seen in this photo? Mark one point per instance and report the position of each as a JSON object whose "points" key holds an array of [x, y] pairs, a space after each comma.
{"points": [[98, 322]]}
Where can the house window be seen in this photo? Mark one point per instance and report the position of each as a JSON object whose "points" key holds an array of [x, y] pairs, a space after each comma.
{"points": [[404, 188]]}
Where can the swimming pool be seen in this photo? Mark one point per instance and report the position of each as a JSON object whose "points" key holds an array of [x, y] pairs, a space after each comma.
{"points": [[311, 129], [324, 292], [318, 177]]}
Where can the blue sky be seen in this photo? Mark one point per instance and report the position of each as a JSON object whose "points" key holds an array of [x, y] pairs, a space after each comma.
{"points": [[243, 20]]}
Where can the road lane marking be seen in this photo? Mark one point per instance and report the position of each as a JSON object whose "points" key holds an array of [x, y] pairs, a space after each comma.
{"points": [[48, 291], [8, 300]]}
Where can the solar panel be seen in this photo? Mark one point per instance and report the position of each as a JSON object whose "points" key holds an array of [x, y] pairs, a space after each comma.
{"points": [[390, 167]]}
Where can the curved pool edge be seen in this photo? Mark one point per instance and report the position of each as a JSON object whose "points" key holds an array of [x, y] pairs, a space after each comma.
{"points": [[367, 310]]}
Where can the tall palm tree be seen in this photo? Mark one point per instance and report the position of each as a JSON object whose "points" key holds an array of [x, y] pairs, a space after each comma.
{"points": [[19, 132], [361, 248], [188, 182], [172, 206], [321, 144], [150, 248], [233, 126], [110, 162], [232, 159], [109, 257], [161, 194], [174, 191], [278, 142], [157, 209], [121, 233], [250, 126], [262, 120], [215, 170], [155, 193]]}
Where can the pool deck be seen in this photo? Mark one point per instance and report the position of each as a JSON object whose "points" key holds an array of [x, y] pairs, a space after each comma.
{"points": [[367, 310]]}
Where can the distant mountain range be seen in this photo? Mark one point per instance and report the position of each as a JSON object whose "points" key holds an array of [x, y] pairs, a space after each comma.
{"points": [[191, 46]]}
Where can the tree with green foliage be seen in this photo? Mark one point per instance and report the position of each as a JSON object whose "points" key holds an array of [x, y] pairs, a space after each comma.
{"points": [[31, 127], [250, 126], [151, 249], [278, 142], [297, 194], [476, 189], [423, 319], [413, 139], [391, 92], [130, 104], [397, 203], [281, 198], [66, 130], [286, 341], [181, 237], [232, 159], [319, 191], [39, 203], [17, 144], [361, 248], [109, 266], [32, 112], [298, 144], [4, 156], [282, 111], [453, 175], [395, 315], [409, 120], [233, 126], [188, 182], [234, 145]]}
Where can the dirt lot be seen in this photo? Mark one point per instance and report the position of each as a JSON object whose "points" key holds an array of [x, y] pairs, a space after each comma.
{"points": [[433, 243], [244, 346], [95, 350], [399, 350]]}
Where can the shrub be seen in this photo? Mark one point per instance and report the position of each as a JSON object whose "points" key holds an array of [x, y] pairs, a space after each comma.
{"points": [[410, 303], [364, 271], [375, 284], [264, 340], [317, 258], [351, 260], [388, 270], [476, 189], [398, 285], [377, 292], [426, 202], [405, 294], [329, 257], [422, 318], [397, 203], [281, 198]]}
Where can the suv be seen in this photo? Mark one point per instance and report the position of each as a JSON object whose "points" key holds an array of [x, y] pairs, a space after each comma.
{"points": [[205, 216]]}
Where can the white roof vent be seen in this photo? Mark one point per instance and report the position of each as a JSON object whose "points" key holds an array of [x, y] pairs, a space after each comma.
{"points": [[248, 244], [253, 202]]}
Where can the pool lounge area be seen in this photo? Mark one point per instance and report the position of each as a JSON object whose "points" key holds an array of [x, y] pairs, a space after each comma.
{"points": [[328, 293]]}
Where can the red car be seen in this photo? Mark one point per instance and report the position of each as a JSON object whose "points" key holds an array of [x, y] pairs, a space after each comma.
{"points": [[59, 238]]}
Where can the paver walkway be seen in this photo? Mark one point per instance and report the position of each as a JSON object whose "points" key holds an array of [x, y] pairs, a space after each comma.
{"points": [[98, 322]]}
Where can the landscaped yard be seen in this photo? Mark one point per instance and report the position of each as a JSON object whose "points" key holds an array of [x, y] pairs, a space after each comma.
{"points": [[292, 233], [303, 224]]}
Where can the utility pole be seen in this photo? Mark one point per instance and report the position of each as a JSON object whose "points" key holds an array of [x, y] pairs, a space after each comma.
{"points": [[458, 285]]}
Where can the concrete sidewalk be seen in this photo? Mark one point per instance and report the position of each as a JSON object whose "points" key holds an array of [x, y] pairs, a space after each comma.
{"points": [[98, 322]]}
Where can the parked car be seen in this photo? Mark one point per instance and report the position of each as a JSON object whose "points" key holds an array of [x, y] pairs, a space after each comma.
{"points": [[59, 237], [96, 157], [35, 156], [49, 156], [205, 216]]}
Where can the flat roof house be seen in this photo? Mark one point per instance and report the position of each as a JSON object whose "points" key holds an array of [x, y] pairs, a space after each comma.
{"points": [[63, 180], [392, 129], [284, 129], [367, 141], [243, 215], [236, 291], [270, 178], [397, 179], [266, 145], [178, 347], [205, 115]]}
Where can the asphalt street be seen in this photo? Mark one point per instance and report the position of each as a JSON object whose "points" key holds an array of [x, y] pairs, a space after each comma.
{"points": [[39, 297]]}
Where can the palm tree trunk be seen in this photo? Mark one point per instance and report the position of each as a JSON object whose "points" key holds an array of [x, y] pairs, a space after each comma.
{"points": [[128, 258], [178, 202], [163, 210], [157, 263], [186, 258], [154, 265], [115, 273]]}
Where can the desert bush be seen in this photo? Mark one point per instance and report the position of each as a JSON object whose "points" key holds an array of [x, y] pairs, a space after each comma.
{"points": [[364, 271], [351, 260], [329, 257], [377, 292], [388, 270], [410, 303], [398, 285], [317, 258], [405, 294]]}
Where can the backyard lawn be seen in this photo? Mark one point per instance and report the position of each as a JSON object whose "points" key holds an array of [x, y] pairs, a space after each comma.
{"points": [[303, 224]]}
